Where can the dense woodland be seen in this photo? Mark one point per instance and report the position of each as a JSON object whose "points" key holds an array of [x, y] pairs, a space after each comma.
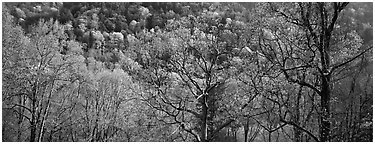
{"points": [[175, 71]]}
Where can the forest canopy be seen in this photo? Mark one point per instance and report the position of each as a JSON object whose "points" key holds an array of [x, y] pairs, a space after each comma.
{"points": [[187, 71]]}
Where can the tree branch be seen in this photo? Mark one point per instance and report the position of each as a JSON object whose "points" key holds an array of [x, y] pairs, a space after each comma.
{"points": [[334, 18], [22, 115], [220, 127], [350, 60], [181, 109], [28, 109], [191, 132], [298, 67], [300, 82], [281, 126], [301, 128]]}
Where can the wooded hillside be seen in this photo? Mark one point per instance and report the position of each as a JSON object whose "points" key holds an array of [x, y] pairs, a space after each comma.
{"points": [[184, 71]]}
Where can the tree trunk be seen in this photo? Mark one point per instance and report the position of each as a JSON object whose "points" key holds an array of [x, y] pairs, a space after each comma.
{"points": [[33, 129], [21, 118], [269, 136], [324, 46], [235, 135], [41, 133], [33, 116], [204, 119], [325, 117], [297, 131], [246, 130], [325, 90]]}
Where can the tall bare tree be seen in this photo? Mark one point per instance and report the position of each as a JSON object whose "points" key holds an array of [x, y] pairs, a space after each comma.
{"points": [[304, 38]]}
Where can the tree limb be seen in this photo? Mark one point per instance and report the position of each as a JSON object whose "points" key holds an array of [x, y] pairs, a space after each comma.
{"points": [[301, 128], [281, 126], [350, 60], [220, 127], [302, 83], [22, 115], [28, 109], [191, 132]]}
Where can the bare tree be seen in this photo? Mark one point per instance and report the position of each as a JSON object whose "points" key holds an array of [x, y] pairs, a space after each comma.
{"points": [[304, 45]]}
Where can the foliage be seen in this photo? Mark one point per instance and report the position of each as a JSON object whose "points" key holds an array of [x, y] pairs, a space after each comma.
{"points": [[187, 71]]}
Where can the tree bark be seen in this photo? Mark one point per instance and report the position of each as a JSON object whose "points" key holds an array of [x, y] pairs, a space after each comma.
{"points": [[327, 28], [21, 117], [297, 132], [269, 136], [246, 130], [33, 115], [41, 133], [325, 108], [204, 118]]}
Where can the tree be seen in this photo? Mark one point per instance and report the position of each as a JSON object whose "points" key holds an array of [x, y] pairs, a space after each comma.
{"points": [[310, 44], [14, 46], [188, 72], [35, 74], [106, 102]]}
